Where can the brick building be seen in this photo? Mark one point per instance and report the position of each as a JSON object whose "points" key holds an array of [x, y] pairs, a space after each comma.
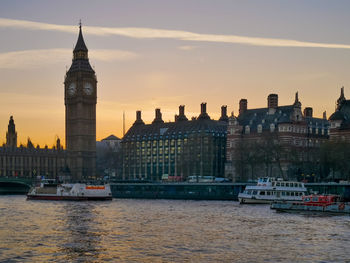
{"points": [[340, 119], [271, 141]]}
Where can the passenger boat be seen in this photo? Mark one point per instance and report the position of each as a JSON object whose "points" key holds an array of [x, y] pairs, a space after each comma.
{"points": [[50, 190], [314, 203], [269, 189]]}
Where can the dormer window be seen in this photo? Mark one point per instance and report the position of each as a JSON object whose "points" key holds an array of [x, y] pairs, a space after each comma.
{"points": [[247, 129], [272, 127], [259, 128]]}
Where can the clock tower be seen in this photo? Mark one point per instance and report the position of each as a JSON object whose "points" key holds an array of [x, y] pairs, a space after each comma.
{"points": [[80, 97]]}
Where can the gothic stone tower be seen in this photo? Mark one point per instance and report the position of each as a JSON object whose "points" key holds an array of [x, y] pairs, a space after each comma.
{"points": [[80, 96], [11, 134]]}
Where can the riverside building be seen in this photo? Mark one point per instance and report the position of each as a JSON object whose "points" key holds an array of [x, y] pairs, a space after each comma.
{"points": [[29, 161], [271, 141], [175, 150], [340, 119]]}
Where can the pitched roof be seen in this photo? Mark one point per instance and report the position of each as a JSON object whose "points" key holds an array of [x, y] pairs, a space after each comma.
{"points": [[111, 138]]}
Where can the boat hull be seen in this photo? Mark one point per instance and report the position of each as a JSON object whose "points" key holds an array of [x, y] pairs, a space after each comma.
{"points": [[339, 208], [68, 198], [244, 200]]}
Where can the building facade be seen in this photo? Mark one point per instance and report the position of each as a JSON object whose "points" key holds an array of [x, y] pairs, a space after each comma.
{"points": [[80, 96], [340, 119], [29, 161], [175, 150], [272, 141]]}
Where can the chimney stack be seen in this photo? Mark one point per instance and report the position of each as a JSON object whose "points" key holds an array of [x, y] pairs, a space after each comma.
{"points": [[243, 106], [204, 115], [272, 101], [224, 116], [158, 118], [138, 118], [308, 112], [325, 115], [181, 116]]}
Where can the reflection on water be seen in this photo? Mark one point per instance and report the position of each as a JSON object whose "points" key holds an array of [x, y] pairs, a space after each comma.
{"points": [[165, 231]]}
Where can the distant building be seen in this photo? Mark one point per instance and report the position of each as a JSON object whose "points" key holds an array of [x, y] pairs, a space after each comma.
{"points": [[340, 119], [29, 161], [269, 141], [175, 150], [112, 142]]}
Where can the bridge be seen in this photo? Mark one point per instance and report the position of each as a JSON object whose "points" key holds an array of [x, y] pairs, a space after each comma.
{"points": [[15, 185]]}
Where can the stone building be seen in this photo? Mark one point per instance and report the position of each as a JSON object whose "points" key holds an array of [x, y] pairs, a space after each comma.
{"points": [[340, 119], [271, 141], [175, 150], [29, 161], [80, 96]]}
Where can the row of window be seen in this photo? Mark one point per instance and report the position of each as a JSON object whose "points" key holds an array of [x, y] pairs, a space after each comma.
{"points": [[273, 193]]}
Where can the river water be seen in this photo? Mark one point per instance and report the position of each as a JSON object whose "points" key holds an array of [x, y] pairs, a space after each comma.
{"points": [[130, 230]]}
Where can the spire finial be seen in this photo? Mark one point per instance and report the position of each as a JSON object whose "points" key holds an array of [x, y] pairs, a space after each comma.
{"points": [[79, 23]]}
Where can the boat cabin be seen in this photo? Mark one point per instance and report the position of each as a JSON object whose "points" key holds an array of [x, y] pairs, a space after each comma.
{"points": [[320, 199]]}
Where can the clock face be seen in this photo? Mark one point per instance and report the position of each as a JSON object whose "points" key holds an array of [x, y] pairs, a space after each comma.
{"points": [[72, 88], [88, 89]]}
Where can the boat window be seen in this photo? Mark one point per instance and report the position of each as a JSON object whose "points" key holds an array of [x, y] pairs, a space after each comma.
{"points": [[288, 193], [292, 194], [306, 199], [249, 192], [287, 184], [268, 193], [314, 199], [278, 184], [295, 184], [283, 193], [265, 180], [282, 184], [262, 192], [255, 192], [273, 183]]}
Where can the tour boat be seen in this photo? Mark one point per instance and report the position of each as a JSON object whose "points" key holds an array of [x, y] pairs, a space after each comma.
{"points": [[49, 190], [269, 189], [314, 203]]}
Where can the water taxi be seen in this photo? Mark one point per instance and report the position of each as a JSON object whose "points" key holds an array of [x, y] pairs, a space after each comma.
{"points": [[269, 189], [314, 203], [50, 190]]}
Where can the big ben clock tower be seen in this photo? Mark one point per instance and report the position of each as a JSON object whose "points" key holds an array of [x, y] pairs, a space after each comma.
{"points": [[80, 97]]}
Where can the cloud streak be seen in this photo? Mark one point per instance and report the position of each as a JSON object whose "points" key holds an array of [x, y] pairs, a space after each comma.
{"points": [[38, 57], [152, 33]]}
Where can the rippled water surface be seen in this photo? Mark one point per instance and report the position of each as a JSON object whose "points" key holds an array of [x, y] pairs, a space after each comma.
{"points": [[125, 230]]}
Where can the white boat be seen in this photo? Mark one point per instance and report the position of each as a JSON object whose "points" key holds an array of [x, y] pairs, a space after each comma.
{"points": [[49, 190], [269, 189]]}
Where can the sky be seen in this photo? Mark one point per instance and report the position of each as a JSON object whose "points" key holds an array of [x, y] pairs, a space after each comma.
{"points": [[151, 54]]}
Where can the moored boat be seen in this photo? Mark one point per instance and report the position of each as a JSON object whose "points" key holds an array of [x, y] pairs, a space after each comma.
{"points": [[49, 190], [269, 189], [314, 203]]}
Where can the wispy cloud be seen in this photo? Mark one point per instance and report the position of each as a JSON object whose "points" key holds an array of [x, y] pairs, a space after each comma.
{"points": [[39, 57], [139, 32], [187, 48]]}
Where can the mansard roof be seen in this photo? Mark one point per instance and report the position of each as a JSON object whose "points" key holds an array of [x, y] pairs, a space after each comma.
{"points": [[175, 130], [282, 114]]}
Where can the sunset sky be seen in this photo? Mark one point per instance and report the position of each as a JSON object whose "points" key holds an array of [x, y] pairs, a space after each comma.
{"points": [[161, 54]]}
